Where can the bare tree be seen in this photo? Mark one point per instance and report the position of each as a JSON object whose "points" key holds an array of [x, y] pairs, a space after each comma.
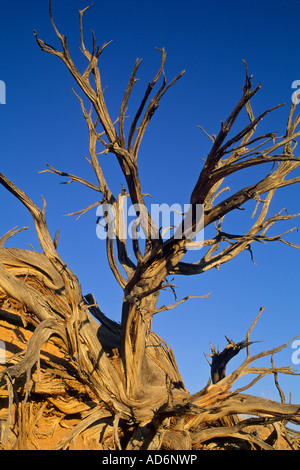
{"points": [[120, 382]]}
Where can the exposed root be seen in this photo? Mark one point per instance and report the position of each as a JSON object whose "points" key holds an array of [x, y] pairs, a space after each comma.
{"points": [[39, 379]]}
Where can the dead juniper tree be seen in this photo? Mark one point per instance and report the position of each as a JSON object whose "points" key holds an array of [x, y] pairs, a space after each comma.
{"points": [[119, 382]]}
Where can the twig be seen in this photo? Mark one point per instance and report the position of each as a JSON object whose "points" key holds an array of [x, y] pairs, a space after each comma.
{"points": [[169, 307]]}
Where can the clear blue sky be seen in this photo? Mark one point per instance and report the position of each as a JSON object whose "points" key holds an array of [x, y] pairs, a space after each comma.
{"points": [[42, 122]]}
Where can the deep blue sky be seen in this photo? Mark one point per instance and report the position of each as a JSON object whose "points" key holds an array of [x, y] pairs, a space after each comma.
{"points": [[42, 122]]}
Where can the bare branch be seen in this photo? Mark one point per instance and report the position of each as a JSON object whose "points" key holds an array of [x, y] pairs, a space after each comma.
{"points": [[125, 100], [85, 210], [85, 51], [73, 178], [94, 159], [144, 101], [209, 136], [70, 281], [10, 234], [262, 309], [153, 105], [282, 397], [169, 307]]}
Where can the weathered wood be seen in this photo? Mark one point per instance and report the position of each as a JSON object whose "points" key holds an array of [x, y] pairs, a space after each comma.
{"points": [[220, 359], [120, 382]]}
